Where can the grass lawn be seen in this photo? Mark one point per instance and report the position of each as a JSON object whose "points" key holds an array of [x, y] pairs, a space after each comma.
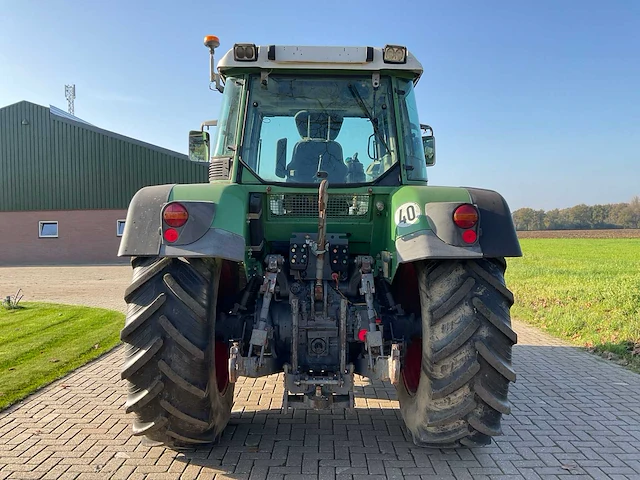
{"points": [[41, 342], [584, 290]]}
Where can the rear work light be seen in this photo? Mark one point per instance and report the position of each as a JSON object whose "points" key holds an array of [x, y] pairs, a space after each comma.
{"points": [[175, 215], [465, 216], [245, 52], [394, 54]]}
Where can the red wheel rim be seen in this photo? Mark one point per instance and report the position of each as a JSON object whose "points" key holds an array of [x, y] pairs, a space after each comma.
{"points": [[222, 365], [412, 365]]}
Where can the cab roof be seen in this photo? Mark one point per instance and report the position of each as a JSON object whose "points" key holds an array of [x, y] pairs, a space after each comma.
{"points": [[287, 57]]}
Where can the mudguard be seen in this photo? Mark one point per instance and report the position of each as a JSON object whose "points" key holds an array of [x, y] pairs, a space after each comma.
{"points": [[199, 237], [498, 236], [142, 227], [424, 228]]}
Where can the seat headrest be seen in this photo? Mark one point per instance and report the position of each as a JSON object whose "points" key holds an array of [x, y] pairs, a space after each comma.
{"points": [[320, 125]]}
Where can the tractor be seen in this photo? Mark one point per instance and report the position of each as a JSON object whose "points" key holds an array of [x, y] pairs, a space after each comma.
{"points": [[317, 249]]}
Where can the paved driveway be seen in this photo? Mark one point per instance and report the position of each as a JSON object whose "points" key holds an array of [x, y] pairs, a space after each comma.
{"points": [[574, 416]]}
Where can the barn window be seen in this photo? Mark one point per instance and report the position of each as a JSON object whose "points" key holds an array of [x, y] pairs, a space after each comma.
{"points": [[119, 227], [48, 229]]}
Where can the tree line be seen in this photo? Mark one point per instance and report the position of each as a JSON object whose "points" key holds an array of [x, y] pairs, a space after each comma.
{"points": [[580, 217]]}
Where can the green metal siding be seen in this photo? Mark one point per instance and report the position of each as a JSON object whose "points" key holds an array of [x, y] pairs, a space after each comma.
{"points": [[54, 163]]}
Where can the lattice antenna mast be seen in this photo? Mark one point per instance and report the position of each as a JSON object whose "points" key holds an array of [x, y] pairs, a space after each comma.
{"points": [[70, 93]]}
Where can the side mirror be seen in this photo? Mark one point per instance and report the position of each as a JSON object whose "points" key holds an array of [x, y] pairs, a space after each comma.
{"points": [[281, 158], [429, 146], [198, 146]]}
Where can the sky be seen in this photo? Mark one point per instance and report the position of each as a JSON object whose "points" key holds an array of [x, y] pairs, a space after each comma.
{"points": [[538, 100]]}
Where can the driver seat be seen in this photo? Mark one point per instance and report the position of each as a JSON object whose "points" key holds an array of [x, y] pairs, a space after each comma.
{"points": [[318, 131]]}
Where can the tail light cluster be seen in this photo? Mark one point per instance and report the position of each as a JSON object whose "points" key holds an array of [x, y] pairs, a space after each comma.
{"points": [[174, 216], [466, 217]]}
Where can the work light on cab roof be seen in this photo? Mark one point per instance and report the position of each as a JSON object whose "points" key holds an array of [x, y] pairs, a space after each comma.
{"points": [[311, 57]]}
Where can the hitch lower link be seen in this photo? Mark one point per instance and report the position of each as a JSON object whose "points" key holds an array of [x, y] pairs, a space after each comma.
{"points": [[260, 334], [255, 364], [380, 366]]}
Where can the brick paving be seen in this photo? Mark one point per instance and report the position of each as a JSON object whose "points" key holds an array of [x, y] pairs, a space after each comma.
{"points": [[574, 416]]}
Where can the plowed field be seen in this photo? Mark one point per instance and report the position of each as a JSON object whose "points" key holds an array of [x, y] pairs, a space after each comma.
{"points": [[615, 233]]}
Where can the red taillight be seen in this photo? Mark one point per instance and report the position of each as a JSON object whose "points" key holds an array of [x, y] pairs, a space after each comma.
{"points": [[362, 335], [175, 215], [171, 235], [465, 216], [469, 236]]}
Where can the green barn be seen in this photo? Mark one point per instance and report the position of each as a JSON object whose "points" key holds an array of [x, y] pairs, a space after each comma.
{"points": [[65, 185]]}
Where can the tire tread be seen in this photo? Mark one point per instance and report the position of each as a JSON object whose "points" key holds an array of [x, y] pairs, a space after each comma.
{"points": [[140, 358], [139, 400], [169, 335], [184, 297], [180, 381], [180, 339], [141, 317], [466, 358]]}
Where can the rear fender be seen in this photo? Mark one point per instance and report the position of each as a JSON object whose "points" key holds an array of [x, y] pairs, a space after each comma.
{"points": [[199, 237], [498, 236], [424, 228]]}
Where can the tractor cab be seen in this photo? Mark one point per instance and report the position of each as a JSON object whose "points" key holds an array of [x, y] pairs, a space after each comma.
{"points": [[298, 115]]}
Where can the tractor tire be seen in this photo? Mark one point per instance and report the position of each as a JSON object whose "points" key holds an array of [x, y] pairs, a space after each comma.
{"points": [[455, 378], [177, 371]]}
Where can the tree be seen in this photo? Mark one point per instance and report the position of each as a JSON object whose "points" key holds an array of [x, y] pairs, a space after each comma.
{"points": [[612, 215], [523, 218], [529, 219], [599, 216], [553, 220], [580, 216], [615, 213], [634, 211]]}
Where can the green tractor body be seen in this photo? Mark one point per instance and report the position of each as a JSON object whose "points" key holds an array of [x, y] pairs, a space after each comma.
{"points": [[318, 249]]}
